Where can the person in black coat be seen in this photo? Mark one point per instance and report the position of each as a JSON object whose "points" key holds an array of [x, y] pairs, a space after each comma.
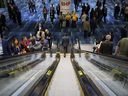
{"points": [[9, 10], [105, 13], [30, 5], [3, 25], [13, 14], [65, 43], [124, 32], [83, 9], [104, 2], [93, 24], [48, 36], [99, 15], [12, 2], [88, 8], [91, 14], [2, 20], [76, 3], [122, 11], [116, 11], [52, 13], [98, 3], [19, 21], [106, 46], [58, 9], [33, 6], [1, 31]]}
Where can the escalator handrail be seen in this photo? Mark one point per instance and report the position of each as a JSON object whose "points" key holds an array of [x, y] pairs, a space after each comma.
{"points": [[19, 55], [109, 56], [79, 44]]}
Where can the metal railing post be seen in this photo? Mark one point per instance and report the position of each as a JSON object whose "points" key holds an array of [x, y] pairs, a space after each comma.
{"points": [[79, 47]]}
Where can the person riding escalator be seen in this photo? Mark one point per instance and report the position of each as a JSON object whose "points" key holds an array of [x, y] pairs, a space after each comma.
{"points": [[65, 43], [106, 46]]}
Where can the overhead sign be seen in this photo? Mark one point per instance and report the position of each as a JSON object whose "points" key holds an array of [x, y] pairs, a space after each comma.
{"points": [[65, 6]]}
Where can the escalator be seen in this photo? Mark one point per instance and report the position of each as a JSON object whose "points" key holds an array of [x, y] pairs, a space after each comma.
{"points": [[40, 74], [20, 74], [64, 81], [102, 75]]}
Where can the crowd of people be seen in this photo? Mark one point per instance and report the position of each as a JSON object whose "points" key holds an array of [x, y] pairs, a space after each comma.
{"points": [[92, 15], [42, 40], [52, 11], [106, 45], [121, 10], [90, 19]]}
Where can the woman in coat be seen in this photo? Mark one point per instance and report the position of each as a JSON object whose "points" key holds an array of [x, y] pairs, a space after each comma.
{"points": [[86, 27]]}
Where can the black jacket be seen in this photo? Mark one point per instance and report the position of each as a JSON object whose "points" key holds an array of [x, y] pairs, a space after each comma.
{"points": [[106, 48]]}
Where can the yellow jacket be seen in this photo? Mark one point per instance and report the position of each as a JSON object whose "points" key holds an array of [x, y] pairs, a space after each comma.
{"points": [[74, 17], [68, 17]]}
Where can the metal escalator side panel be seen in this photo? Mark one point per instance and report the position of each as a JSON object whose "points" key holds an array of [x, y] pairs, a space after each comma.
{"points": [[41, 87], [64, 81]]}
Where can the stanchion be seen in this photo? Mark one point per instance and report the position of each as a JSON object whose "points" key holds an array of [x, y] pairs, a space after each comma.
{"points": [[50, 52], [79, 47]]}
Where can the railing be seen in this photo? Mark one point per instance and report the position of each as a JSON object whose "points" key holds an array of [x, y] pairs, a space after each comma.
{"points": [[58, 43], [109, 56], [14, 56], [44, 82], [109, 66], [87, 85], [10, 64], [118, 66], [79, 47]]}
